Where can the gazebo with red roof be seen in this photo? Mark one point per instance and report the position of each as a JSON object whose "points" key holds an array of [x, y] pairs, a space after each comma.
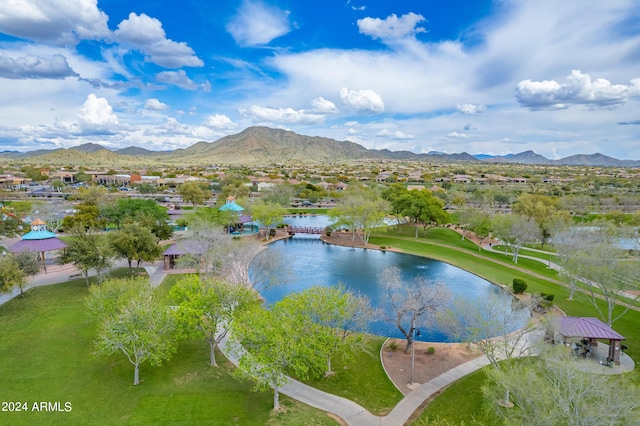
{"points": [[592, 329]]}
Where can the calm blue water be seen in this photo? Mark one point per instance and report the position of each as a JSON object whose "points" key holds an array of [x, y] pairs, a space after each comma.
{"points": [[312, 262]]}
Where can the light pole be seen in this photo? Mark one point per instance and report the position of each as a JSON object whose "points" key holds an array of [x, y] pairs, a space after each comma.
{"points": [[414, 332]]}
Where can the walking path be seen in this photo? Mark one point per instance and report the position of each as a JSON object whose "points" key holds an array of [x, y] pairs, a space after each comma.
{"points": [[356, 415], [349, 411]]}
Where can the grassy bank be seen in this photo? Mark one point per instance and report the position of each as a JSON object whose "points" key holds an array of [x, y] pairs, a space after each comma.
{"points": [[46, 353], [446, 245]]}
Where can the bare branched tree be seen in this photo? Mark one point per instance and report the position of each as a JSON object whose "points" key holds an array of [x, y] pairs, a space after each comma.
{"points": [[413, 303], [552, 390]]}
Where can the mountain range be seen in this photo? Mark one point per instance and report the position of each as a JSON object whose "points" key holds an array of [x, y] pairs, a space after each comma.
{"points": [[263, 145]]}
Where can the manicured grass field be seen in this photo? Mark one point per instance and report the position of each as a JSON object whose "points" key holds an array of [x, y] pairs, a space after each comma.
{"points": [[46, 355], [462, 401], [47, 344], [361, 380]]}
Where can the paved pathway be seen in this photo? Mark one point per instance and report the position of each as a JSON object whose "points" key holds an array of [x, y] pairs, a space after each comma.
{"points": [[356, 415], [349, 411], [60, 274]]}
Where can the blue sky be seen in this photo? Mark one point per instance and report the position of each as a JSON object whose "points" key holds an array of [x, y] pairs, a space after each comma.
{"points": [[480, 76]]}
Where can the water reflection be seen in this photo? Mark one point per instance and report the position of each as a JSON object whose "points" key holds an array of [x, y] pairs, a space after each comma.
{"points": [[312, 262]]}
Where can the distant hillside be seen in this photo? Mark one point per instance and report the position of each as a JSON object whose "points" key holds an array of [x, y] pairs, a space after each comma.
{"points": [[526, 157], [134, 150], [596, 160], [263, 145], [530, 157], [89, 148]]}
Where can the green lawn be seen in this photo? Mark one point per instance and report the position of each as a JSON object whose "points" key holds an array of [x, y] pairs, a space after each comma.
{"points": [[450, 406], [46, 355], [47, 344], [363, 381], [462, 401]]}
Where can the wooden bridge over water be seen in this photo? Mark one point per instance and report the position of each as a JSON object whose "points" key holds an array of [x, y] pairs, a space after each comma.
{"points": [[305, 230]]}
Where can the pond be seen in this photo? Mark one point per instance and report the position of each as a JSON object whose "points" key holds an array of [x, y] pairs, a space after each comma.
{"points": [[311, 262]]}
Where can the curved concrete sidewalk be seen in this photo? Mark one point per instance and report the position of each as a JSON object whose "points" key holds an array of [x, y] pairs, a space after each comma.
{"points": [[356, 415], [64, 274]]}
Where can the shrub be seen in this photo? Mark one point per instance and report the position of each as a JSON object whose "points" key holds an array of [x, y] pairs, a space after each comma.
{"points": [[547, 296], [519, 285], [393, 346], [431, 350], [383, 247]]}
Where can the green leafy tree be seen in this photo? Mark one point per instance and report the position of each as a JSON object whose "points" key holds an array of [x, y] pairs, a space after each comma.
{"points": [[147, 188], [29, 263], [515, 231], [132, 321], [208, 308], [539, 207], [269, 344], [209, 216], [87, 251], [57, 185], [268, 214], [194, 193], [361, 211], [87, 216], [137, 209], [10, 225], [278, 194], [135, 242], [336, 317], [476, 221], [92, 195], [422, 208], [393, 194], [10, 274]]}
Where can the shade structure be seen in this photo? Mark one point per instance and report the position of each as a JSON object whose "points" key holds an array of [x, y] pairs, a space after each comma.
{"points": [[244, 219], [591, 329], [38, 240], [184, 247], [38, 246], [187, 247], [231, 207], [586, 327]]}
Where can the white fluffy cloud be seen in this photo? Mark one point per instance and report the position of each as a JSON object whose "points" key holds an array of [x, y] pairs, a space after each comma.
{"points": [[281, 115], [579, 90], [456, 135], [257, 23], [96, 113], [219, 121], [392, 27], [147, 35], [155, 105], [398, 135], [59, 22], [322, 105], [35, 67], [180, 79], [471, 108], [362, 100]]}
